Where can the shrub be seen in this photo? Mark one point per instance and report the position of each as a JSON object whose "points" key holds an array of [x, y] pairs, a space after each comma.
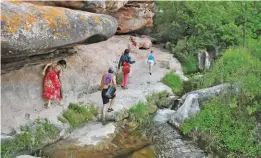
{"points": [[29, 138], [79, 114], [189, 65], [239, 67], [174, 82], [159, 99], [229, 123], [140, 114]]}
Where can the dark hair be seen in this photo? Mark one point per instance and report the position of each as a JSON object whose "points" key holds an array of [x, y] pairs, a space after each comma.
{"points": [[110, 71], [126, 51], [151, 51], [62, 63]]}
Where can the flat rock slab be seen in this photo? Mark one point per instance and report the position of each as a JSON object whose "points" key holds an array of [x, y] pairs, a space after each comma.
{"points": [[93, 133]]}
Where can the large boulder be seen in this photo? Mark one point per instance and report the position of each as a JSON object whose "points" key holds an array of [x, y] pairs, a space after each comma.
{"points": [[138, 42], [131, 15], [105, 6], [29, 30], [134, 16], [189, 104]]}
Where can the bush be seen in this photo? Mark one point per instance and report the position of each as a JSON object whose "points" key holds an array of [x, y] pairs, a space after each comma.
{"points": [[159, 99], [30, 138], [79, 114], [140, 114], [189, 65], [174, 82], [239, 67], [231, 125]]}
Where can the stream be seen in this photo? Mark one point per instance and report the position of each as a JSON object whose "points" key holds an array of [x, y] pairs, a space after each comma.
{"points": [[164, 142]]}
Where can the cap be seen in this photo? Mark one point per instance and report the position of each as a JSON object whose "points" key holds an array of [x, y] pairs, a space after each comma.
{"points": [[111, 69]]}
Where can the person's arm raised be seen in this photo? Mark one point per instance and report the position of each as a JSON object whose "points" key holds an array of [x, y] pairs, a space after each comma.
{"points": [[46, 66]]}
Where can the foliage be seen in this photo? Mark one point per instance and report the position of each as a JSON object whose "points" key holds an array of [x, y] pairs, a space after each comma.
{"points": [[189, 65], [254, 46], [229, 123], [239, 67], [174, 82], [29, 138], [79, 114], [140, 114], [119, 77], [159, 99], [200, 24]]}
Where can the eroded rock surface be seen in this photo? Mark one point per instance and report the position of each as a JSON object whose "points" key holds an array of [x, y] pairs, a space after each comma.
{"points": [[189, 104], [30, 30]]}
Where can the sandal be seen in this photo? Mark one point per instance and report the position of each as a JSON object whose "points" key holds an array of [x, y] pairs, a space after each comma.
{"points": [[110, 109]]}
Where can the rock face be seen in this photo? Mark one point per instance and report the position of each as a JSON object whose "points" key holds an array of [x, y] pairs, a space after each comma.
{"points": [[204, 60], [30, 30], [21, 97], [131, 15], [134, 16], [105, 6], [190, 103], [137, 43]]}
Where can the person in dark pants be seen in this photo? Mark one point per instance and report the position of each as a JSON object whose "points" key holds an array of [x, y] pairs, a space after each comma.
{"points": [[108, 79], [125, 60]]}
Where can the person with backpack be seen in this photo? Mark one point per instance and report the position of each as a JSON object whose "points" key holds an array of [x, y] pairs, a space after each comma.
{"points": [[150, 61], [125, 61], [108, 84]]}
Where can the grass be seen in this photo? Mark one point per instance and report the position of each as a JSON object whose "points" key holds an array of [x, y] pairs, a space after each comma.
{"points": [[159, 99], [29, 138], [174, 82], [232, 127], [139, 113], [189, 65], [79, 114], [231, 121]]}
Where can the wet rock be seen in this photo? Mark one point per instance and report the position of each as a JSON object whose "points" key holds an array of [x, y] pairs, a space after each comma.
{"points": [[189, 104], [30, 30], [169, 144]]}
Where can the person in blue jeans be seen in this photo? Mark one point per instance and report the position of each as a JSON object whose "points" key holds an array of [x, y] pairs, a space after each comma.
{"points": [[150, 61]]}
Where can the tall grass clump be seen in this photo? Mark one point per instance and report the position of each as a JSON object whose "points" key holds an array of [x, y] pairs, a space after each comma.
{"points": [[139, 113], [174, 82], [79, 114]]}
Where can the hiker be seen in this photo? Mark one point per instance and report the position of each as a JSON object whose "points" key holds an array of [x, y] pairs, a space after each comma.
{"points": [[125, 61], [108, 79], [150, 61], [52, 81]]}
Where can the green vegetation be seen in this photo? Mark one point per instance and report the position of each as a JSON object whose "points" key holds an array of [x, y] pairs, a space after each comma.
{"points": [[228, 124], [159, 99], [231, 121], [30, 138], [119, 78], [79, 114], [140, 114], [174, 82]]}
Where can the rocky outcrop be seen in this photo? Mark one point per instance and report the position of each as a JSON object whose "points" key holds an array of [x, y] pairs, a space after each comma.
{"points": [[131, 15], [189, 104], [106, 6], [30, 30], [204, 60], [138, 42], [134, 16], [21, 97]]}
